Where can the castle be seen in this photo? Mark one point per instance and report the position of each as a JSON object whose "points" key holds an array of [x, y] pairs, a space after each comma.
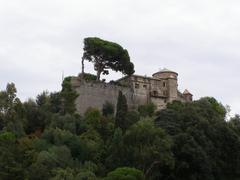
{"points": [[159, 89]]}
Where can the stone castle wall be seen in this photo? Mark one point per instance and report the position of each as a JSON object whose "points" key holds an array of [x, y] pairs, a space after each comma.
{"points": [[95, 94], [160, 89]]}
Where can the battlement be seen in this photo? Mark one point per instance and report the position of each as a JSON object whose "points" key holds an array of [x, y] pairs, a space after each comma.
{"points": [[77, 82]]}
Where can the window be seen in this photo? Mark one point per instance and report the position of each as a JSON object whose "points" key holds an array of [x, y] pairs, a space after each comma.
{"points": [[136, 85], [165, 101], [164, 84], [145, 86], [155, 93]]}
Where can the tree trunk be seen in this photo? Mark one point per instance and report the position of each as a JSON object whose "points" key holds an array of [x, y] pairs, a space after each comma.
{"points": [[99, 68], [82, 68], [98, 75]]}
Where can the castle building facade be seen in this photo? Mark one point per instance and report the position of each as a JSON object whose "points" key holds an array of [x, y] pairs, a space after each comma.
{"points": [[159, 89]]}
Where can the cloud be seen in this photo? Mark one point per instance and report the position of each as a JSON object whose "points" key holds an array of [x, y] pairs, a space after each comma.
{"points": [[198, 39]]}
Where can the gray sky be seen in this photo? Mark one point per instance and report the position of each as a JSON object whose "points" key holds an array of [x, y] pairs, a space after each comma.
{"points": [[199, 39]]}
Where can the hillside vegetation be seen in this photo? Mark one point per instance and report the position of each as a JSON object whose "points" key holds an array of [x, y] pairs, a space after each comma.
{"points": [[44, 138]]}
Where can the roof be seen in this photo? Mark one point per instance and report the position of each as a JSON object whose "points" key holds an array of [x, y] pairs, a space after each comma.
{"points": [[187, 92], [165, 70]]}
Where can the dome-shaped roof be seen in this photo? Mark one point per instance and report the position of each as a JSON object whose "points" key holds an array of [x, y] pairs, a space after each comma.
{"points": [[165, 70]]}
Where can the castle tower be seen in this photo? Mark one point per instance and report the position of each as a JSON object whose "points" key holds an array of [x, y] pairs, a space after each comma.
{"points": [[169, 83], [187, 95]]}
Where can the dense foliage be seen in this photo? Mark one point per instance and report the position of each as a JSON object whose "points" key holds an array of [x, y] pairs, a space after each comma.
{"points": [[45, 138], [88, 76], [106, 55]]}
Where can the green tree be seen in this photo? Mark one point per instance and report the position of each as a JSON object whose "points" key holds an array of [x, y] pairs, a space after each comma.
{"points": [[147, 110], [47, 161], [72, 123], [234, 124], [122, 109], [116, 153], [43, 99], [205, 145], [59, 137], [11, 158], [106, 55], [63, 174], [56, 104], [132, 117], [107, 109], [11, 111], [87, 171], [93, 117], [106, 128], [191, 160], [125, 173], [94, 144], [83, 175], [68, 96], [35, 117], [89, 77], [149, 149]]}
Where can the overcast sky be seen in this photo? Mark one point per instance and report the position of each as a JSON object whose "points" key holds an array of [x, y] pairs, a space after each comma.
{"points": [[198, 39]]}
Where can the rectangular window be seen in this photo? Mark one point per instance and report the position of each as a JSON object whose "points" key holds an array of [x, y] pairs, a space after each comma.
{"points": [[164, 84], [145, 86]]}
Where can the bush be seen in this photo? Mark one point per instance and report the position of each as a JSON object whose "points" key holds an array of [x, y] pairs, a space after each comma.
{"points": [[107, 109], [89, 77], [125, 173], [147, 110]]}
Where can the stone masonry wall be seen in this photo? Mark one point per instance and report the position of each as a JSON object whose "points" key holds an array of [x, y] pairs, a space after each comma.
{"points": [[95, 94], [138, 90]]}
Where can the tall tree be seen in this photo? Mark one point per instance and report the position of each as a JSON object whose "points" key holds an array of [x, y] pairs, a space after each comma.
{"points": [[106, 55], [148, 148], [122, 109], [11, 158], [205, 145], [116, 152], [11, 111], [68, 96]]}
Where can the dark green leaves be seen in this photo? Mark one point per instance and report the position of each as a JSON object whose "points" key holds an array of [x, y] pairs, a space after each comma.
{"points": [[107, 55]]}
